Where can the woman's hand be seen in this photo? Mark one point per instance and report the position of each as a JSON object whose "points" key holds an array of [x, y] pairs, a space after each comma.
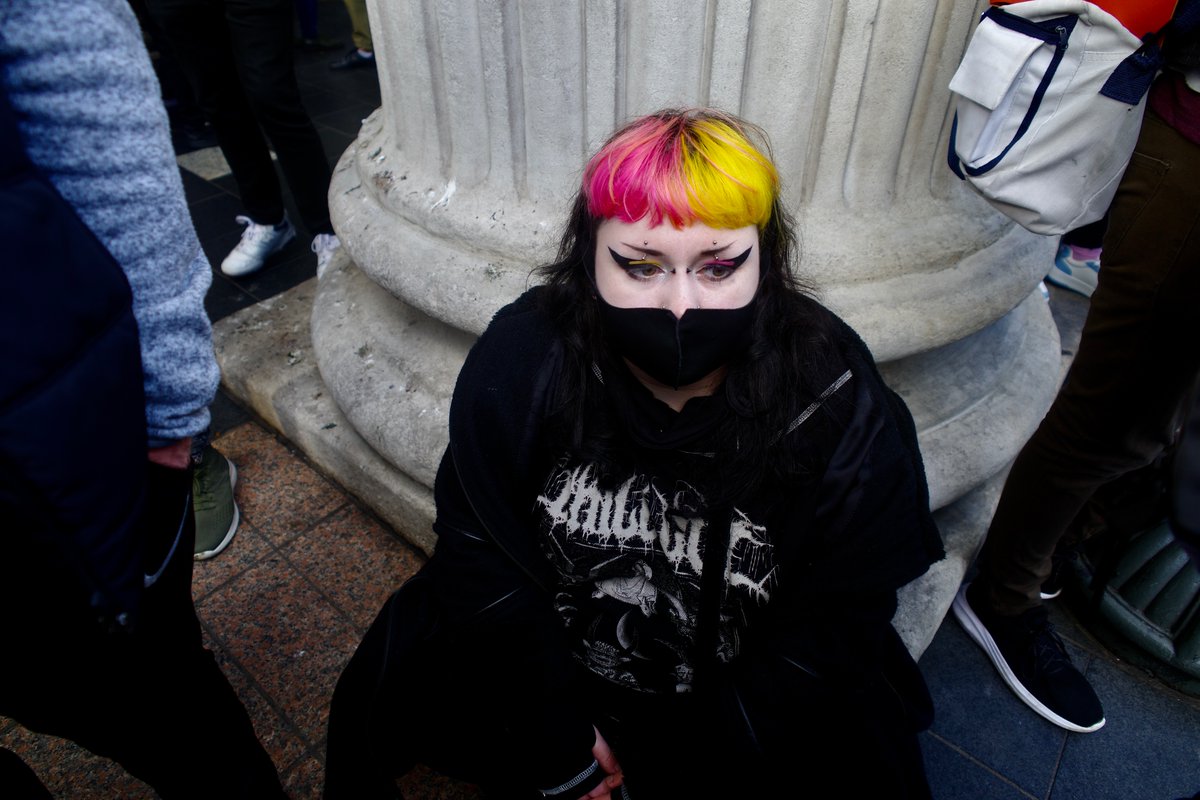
{"points": [[612, 770]]}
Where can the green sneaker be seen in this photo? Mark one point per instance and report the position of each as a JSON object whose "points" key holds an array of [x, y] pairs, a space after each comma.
{"points": [[212, 497]]}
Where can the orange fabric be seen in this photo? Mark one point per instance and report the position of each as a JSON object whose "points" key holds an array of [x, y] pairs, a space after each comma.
{"points": [[1138, 16]]}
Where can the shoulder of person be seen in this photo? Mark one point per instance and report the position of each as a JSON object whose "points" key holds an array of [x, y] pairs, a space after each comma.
{"points": [[829, 346], [519, 345], [524, 316], [844, 337], [525, 303]]}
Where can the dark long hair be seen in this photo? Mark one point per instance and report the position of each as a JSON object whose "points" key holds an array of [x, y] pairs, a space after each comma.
{"points": [[782, 370]]}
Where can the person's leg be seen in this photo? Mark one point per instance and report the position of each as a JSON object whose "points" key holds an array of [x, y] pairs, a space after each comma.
{"points": [[360, 25], [155, 701], [261, 40], [1137, 357], [306, 16], [1115, 413], [685, 746], [199, 39], [362, 54], [456, 725], [362, 759]]}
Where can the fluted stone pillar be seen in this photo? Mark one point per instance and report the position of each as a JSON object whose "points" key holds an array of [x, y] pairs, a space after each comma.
{"points": [[460, 183]]}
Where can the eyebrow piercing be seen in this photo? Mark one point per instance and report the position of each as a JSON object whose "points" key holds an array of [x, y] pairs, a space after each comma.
{"points": [[629, 262], [734, 262]]}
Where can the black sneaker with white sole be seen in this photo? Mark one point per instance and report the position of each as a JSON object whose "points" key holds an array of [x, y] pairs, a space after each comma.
{"points": [[1034, 663]]}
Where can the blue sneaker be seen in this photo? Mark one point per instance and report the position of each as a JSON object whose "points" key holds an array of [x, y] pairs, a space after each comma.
{"points": [[1072, 273]]}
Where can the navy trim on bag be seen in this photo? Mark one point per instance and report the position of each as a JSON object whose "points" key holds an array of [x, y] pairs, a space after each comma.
{"points": [[1046, 30], [1130, 81], [1052, 31], [951, 153]]}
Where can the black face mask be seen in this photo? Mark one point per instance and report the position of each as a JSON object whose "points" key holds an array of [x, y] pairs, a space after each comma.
{"points": [[678, 352]]}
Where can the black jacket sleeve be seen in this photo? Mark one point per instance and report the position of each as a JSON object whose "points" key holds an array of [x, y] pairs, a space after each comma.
{"points": [[489, 577], [826, 644]]}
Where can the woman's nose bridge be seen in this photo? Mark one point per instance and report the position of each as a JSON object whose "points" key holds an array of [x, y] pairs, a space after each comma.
{"points": [[681, 292]]}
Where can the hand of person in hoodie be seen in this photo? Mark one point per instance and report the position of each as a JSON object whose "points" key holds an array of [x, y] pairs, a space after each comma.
{"points": [[174, 456]]}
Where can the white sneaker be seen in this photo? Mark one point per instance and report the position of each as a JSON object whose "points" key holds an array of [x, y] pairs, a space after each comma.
{"points": [[258, 242], [325, 245], [1078, 275]]}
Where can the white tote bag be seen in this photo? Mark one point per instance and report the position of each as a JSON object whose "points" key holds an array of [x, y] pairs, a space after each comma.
{"points": [[1032, 133]]}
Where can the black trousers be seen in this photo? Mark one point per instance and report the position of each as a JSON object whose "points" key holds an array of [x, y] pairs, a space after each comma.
{"points": [[1123, 397], [237, 54], [155, 700]]}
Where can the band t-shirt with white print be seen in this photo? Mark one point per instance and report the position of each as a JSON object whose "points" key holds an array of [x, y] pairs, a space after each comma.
{"points": [[630, 558]]}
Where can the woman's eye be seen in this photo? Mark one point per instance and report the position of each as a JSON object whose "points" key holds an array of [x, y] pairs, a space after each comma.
{"points": [[643, 270], [717, 271], [639, 268], [721, 268]]}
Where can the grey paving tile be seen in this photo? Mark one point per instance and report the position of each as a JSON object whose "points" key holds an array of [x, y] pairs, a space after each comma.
{"points": [[227, 184], [977, 713], [291, 266], [320, 101], [1149, 747], [335, 142], [347, 120], [225, 296], [196, 188], [359, 84], [214, 216], [953, 775]]}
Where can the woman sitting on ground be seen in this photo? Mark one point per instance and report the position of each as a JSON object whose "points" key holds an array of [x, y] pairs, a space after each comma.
{"points": [[675, 510]]}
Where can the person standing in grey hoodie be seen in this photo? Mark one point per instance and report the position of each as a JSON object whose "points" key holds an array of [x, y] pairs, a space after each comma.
{"points": [[109, 371]]}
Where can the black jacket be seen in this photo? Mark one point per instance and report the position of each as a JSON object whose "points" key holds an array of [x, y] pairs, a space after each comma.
{"points": [[822, 653], [72, 411]]}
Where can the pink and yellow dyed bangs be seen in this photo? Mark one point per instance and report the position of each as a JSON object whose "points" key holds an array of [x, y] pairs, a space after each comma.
{"points": [[682, 167]]}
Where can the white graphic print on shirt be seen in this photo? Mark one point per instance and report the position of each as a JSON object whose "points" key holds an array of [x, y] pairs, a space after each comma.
{"points": [[631, 558]]}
